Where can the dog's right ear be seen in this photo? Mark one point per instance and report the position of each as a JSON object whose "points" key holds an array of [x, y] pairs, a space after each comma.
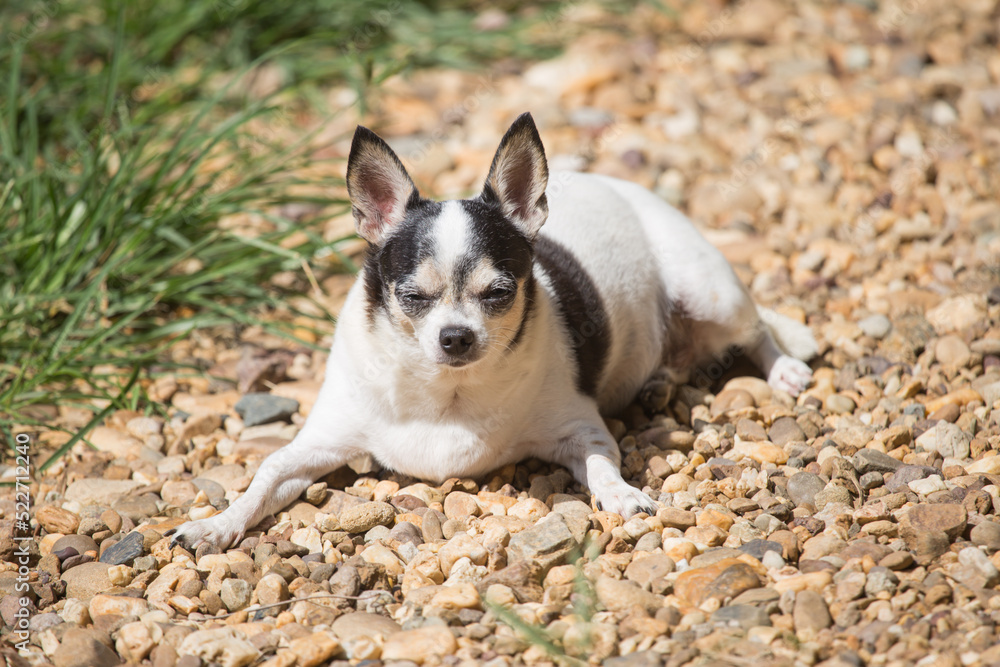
{"points": [[379, 187]]}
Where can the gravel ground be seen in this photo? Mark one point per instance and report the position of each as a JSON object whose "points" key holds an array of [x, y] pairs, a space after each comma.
{"points": [[846, 161]]}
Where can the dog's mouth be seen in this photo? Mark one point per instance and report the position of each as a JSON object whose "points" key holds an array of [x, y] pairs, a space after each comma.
{"points": [[459, 362]]}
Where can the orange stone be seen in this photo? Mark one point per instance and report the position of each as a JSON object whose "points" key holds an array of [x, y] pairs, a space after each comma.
{"points": [[722, 580]]}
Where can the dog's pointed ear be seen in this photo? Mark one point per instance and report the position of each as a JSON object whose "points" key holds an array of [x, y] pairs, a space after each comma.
{"points": [[518, 177], [379, 187]]}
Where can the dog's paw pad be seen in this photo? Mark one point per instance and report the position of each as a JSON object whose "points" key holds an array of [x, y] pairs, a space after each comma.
{"points": [[623, 499], [790, 375]]}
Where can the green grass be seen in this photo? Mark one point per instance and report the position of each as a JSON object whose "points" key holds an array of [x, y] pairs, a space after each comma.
{"points": [[584, 607], [113, 121]]}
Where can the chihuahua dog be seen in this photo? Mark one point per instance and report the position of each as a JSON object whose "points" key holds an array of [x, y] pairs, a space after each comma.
{"points": [[484, 331]]}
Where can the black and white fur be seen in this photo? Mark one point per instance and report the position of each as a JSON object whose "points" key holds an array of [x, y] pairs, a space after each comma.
{"points": [[476, 337]]}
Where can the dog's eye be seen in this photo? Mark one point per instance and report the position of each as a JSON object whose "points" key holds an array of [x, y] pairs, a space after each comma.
{"points": [[414, 298], [498, 293]]}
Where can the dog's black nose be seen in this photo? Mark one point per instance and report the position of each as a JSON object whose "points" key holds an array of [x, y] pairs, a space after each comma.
{"points": [[456, 341]]}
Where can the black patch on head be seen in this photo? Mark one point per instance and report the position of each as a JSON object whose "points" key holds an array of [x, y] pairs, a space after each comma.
{"points": [[401, 253], [493, 236], [581, 308]]}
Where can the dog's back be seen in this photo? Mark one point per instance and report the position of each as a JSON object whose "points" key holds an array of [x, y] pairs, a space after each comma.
{"points": [[599, 244]]}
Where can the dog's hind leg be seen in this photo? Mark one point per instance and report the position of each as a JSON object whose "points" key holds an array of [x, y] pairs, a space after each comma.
{"points": [[784, 346], [755, 332], [717, 310]]}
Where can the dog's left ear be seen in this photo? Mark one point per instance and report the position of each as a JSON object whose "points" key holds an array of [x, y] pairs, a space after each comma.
{"points": [[518, 177], [379, 187]]}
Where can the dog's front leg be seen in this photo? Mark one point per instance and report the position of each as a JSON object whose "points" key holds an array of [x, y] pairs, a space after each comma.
{"points": [[593, 457], [281, 478]]}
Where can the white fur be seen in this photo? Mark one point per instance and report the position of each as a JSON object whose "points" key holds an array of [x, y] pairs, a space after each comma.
{"points": [[384, 395]]}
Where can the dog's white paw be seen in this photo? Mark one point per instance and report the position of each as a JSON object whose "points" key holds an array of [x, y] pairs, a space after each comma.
{"points": [[790, 375], [216, 530], [620, 498]]}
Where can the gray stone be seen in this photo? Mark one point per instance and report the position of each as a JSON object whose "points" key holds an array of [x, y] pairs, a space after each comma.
{"points": [[236, 594], [989, 389], [362, 518], [136, 508], [430, 527], [928, 545], [124, 551], [880, 579], [871, 460], [952, 441], [404, 531], [41, 622], [144, 563], [619, 595], [258, 408], [756, 596], [803, 487], [548, 542], [359, 625], [876, 326], [81, 543], [377, 533], [744, 616], [215, 491], [648, 542], [576, 514], [773, 560], [650, 570], [81, 648], [839, 404], [986, 534], [637, 659], [316, 493], [974, 558], [833, 493], [346, 581], [901, 479], [897, 560], [810, 612], [100, 491], [750, 430], [86, 580], [949, 518], [871, 480], [757, 548], [10, 607], [785, 430]]}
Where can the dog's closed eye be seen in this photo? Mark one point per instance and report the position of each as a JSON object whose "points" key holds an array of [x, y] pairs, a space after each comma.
{"points": [[415, 302], [498, 293]]}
